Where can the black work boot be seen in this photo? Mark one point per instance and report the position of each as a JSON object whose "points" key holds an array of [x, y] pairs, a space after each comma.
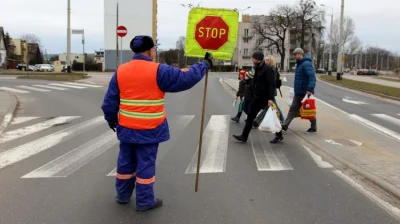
{"points": [[278, 138], [158, 204], [236, 119], [240, 138]]}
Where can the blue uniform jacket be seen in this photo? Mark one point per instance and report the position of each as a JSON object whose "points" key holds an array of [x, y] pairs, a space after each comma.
{"points": [[169, 79], [304, 79]]}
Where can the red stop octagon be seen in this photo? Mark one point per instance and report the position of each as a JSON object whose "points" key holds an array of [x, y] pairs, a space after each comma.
{"points": [[211, 33]]}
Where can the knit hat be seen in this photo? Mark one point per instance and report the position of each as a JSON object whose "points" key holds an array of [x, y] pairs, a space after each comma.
{"points": [[258, 55], [298, 51], [249, 75], [141, 43]]}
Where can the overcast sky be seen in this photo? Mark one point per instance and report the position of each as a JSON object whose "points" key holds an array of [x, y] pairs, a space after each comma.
{"points": [[377, 22]]}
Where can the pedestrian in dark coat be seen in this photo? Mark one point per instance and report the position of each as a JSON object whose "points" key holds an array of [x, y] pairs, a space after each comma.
{"points": [[264, 86]]}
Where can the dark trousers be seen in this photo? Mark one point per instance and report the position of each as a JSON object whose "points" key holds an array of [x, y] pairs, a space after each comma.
{"points": [[137, 168], [255, 106]]}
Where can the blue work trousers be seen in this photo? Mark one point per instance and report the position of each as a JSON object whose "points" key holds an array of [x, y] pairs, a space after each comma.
{"points": [[137, 166]]}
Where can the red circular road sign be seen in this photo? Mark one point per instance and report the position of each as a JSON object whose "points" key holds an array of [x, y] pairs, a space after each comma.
{"points": [[122, 31], [211, 33]]}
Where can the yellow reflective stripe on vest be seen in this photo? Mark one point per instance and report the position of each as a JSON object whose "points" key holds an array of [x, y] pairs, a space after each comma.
{"points": [[141, 102], [142, 115]]}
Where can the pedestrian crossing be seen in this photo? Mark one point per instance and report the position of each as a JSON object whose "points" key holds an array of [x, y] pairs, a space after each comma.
{"points": [[215, 150], [43, 88]]}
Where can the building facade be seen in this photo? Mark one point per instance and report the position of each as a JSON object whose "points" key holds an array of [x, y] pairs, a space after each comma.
{"points": [[138, 16], [3, 49], [74, 57], [247, 44]]}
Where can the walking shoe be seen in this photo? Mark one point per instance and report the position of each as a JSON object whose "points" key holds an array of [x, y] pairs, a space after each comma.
{"points": [[277, 139], [122, 201], [255, 124], [236, 119], [158, 204], [311, 131], [239, 138], [284, 128]]}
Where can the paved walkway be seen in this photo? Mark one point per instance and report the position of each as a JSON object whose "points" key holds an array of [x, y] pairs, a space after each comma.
{"points": [[366, 151], [372, 79]]}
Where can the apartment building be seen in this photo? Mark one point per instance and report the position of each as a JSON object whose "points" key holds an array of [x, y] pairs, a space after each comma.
{"points": [[247, 44], [3, 48]]}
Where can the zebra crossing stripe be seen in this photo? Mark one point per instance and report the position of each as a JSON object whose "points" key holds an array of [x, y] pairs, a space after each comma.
{"points": [[68, 163], [50, 87], [22, 132], [34, 89], [68, 86], [20, 120], [215, 147], [82, 84], [24, 151], [113, 172], [387, 118], [268, 159], [13, 90]]}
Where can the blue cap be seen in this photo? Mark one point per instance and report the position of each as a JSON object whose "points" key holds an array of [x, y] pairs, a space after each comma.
{"points": [[141, 43]]}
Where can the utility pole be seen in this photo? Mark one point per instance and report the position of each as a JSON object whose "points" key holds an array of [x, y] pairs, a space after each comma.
{"points": [[116, 39], [69, 36], [330, 42], [339, 70], [388, 62], [377, 59]]}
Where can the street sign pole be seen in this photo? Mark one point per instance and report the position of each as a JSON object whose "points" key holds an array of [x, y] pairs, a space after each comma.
{"points": [[116, 49], [121, 32], [121, 53]]}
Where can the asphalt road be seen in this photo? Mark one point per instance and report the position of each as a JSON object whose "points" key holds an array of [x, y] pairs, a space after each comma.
{"points": [[60, 171], [381, 112]]}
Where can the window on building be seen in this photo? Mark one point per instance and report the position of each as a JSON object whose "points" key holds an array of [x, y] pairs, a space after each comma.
{"points": [[246, 41], [246, 32], [245, 52]]}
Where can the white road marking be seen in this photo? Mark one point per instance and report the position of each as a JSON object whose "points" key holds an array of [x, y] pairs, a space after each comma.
{"points": [[318, 159], [284, 79], [356, 142], [50, 87], [353, 101], [374, 198], [81, 84], [22, 132], [376, 127], [266, 158], [330, 141], [113, 172], [20, 120], [13, 90], [34, 89], [68, 163], [24, 151], [68, 86], [387, 118], [215, 146]]}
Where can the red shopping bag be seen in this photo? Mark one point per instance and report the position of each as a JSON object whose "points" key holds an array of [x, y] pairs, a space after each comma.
{"points": [[308, 109]]}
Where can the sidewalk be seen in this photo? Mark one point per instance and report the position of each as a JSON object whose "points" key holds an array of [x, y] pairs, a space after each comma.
{"points": [[372, 79], [340, 135], [8, 104]]}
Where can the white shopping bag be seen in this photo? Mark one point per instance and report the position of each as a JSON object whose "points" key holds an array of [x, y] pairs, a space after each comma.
{"points": [[290, 99], [270, 122]]}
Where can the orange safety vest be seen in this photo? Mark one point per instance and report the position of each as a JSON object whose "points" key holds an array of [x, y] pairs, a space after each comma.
{"points": [[141, 100]]}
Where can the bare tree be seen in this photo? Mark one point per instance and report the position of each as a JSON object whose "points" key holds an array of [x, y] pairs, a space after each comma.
{"points": [[349, 29], [180, 43], [308, 18], [271, 30], [31, 38]]}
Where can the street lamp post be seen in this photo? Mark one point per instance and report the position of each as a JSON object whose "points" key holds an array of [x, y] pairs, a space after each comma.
{"points": [[330, 40], [339, 69], [69, 36]]}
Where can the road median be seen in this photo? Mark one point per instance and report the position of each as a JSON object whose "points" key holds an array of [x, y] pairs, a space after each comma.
{"points": [[59, 77], [372, 88]]}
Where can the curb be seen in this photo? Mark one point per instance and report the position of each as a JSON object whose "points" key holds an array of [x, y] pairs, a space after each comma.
{"points": [[10, 113], [361, 90], [384, 184]]}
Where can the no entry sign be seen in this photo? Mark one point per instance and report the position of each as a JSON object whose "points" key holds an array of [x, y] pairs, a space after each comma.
{"points": [[212, 30], [121, 31]]}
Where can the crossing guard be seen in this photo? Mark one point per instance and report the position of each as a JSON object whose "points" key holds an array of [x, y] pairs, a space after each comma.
{"points": [[134, 107]]}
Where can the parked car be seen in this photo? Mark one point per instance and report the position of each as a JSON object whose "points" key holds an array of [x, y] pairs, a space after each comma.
{"points": [[321, 71], [46, 68]]}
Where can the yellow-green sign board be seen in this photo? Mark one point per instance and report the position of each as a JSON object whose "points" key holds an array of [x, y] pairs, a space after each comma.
{"points": [[212, 30]]}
